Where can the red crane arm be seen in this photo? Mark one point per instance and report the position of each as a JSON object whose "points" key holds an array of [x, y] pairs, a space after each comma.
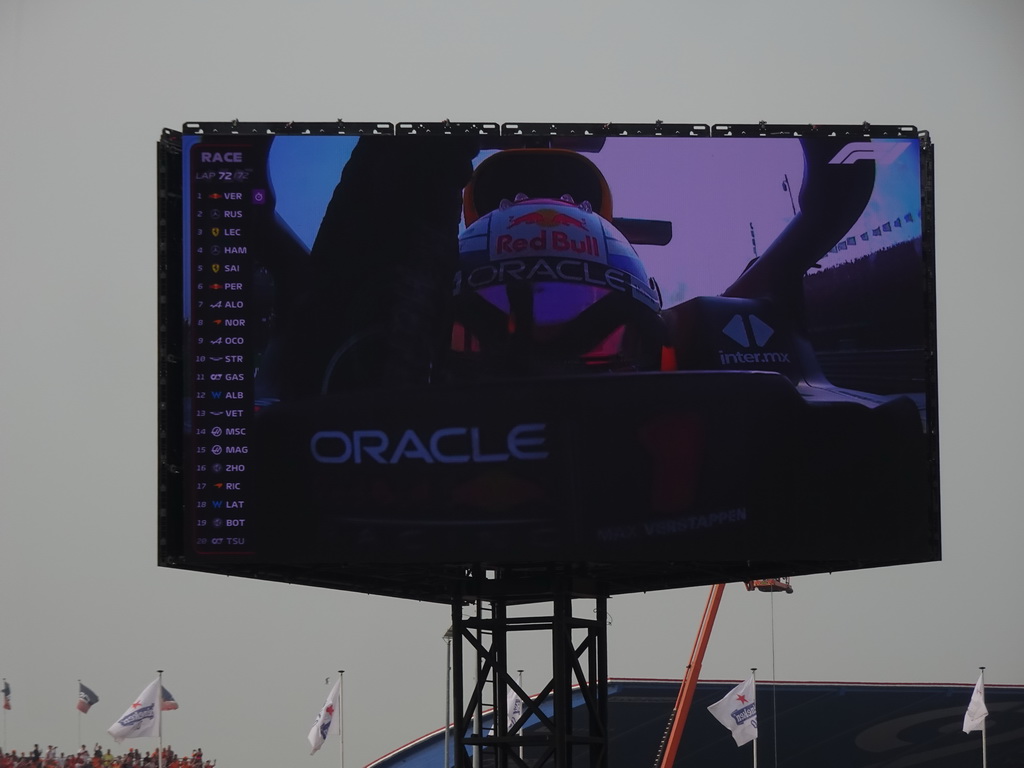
{"points": [[691, 676]]}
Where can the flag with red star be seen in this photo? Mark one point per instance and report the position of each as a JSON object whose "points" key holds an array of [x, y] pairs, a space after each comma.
{"points": [[738, 712], [322, 723], [142, 718]]}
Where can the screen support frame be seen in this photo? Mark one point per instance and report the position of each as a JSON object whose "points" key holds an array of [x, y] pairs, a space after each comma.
{"points": [[578, 666]]}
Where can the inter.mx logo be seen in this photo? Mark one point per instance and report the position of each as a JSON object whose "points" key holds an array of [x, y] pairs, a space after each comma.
{"points": [[750, 332]]}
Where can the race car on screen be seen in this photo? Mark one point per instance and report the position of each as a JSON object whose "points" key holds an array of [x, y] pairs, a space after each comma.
{"points": [[517, 392]]}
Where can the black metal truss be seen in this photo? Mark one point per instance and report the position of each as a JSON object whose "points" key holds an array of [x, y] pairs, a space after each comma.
{"points": [[558, 737]]}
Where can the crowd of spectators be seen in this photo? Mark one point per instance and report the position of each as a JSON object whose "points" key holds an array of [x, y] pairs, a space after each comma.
{"points": [[97, 757]]}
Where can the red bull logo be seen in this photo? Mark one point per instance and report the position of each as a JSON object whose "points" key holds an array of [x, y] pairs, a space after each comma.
{"points": [[560, 244], [547, 217]]}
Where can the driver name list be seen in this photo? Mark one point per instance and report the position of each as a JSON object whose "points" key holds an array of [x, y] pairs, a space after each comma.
{"points": [[223, 207]]}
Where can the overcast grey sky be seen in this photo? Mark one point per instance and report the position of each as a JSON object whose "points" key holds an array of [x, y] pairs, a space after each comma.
{"points": [[85, 89]]}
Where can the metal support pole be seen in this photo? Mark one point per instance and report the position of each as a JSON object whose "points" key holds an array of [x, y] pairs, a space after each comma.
{"points": [[448, 699], [478, 681], [561, 641], [458, 687]]}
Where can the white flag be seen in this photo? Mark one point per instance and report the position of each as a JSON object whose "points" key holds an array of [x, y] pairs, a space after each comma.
{"points": [[142, 718], [738, 712], [514, 709], [974, 719], [322, 724]]}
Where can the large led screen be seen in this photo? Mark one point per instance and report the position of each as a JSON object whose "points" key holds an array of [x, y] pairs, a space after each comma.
{"points": [[687, 355]]}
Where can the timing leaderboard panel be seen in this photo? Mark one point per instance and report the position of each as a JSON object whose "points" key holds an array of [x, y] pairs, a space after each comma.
{"points": [[226, 200]]}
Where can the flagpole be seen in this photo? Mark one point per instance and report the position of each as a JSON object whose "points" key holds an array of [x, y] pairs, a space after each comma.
{"points": [[984, 726], [160, 718], [521, 747], [478, 709], [752, 677], [447, 637], [79, 711], [341, 714]]}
